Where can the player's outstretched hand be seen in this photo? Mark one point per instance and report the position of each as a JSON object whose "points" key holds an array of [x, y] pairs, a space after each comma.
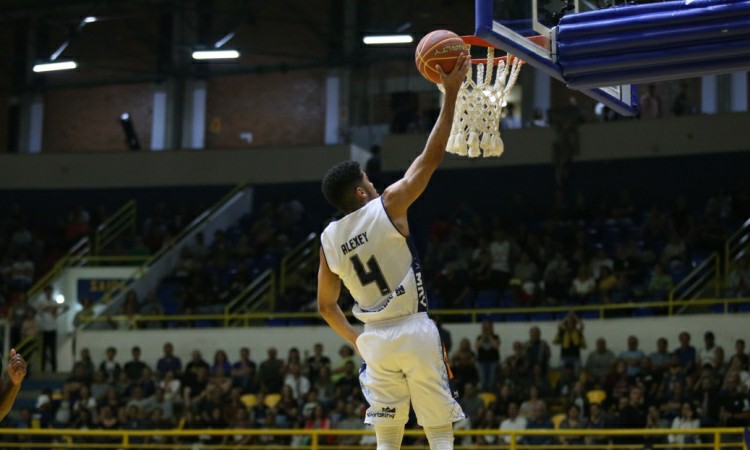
{"points": [[16, 367], [452, 81]]}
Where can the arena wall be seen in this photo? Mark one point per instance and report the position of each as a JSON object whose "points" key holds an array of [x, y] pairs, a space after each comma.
{"points": [[599, 142], [727, 328]]}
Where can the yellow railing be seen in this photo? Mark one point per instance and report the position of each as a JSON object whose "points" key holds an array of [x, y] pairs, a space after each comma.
{"points": [[123, 220], [736, 246], [693, 285], [712, 438], [261, 293], [73, 258], [235, 316], [300, 256], [31, 349]]}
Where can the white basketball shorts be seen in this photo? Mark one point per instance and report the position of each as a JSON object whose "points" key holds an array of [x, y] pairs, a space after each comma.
{"points": [[403, 361]]}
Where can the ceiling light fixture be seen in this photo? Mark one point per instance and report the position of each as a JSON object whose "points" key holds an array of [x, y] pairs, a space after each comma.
{"points": [[215, 54], [54, 66], [388, 39]]}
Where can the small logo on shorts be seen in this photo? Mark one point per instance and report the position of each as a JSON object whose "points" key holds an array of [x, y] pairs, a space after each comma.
{"points": [[400, 290], [384, 413]]}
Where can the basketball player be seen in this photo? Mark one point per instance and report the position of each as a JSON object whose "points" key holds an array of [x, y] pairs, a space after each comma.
{"points": [[370, 250], [16, 373]]}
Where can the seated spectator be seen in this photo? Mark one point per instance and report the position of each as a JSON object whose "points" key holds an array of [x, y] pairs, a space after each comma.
{"points": [[600, 362], [514, 422], [600, 261], [533, 405], [739, 279], [171, 386], [516, 362], [220, 380], [686, 420], [660, 358], [537, 350], [99, 386], [674, 253], [606, 281], [661, 283], [583, 286], [269, 372], [572, 421], [109, 366], [559, 267], [711, 355], [539, 421], [597, 420], [134, 368], [617, 383], [525, 269], [472, 404], [221, 361]]}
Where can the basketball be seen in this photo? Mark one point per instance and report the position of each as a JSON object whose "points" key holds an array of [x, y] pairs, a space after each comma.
{"points": [[439, 47]]}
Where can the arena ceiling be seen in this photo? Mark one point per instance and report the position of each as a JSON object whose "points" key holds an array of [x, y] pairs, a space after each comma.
{"points": [[139, 40]]}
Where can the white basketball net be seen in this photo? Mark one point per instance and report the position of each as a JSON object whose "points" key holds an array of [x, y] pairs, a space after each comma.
{"points": [[479, 106]]}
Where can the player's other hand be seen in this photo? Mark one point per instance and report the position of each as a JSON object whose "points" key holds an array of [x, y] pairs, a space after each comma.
{"points": [[452, 81], [16, 367]]}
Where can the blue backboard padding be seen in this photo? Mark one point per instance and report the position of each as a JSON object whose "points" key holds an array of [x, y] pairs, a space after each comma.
{"points": [[484, 29], [659, 73], [643, 40], [638, 10], [598, 24], [737, 48]]}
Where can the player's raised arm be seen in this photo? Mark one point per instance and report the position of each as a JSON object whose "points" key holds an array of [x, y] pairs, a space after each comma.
{"points": [[399, 196]]}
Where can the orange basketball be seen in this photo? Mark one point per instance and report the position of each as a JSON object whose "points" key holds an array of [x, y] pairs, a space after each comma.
{"points": [[439, 47]]}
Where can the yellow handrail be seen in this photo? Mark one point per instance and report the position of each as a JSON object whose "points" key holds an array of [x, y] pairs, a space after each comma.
{"points": [[694, 278], [473, 313], [263, 287], [303, 253], [29, 346], [115, 225], [734, 244]]}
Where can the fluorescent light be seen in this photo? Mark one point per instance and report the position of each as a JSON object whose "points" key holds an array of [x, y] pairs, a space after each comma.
{"points": [[125, 116], [60, 299], [216, 54], [51, 67], [388, 39], [89, 19]]}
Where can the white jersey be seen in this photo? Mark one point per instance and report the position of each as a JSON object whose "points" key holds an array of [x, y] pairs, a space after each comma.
{"points": [[376, 263]]}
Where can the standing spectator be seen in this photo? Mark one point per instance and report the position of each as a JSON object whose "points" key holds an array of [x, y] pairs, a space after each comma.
{"points": [[465, 371], [739, 348], [109, 366], [660, 358], [134, 368], [632, 357], [537, 350], [243, 368], [316, 362], [710, 355], [513, 422], [571, 340], [682, 105], [500, 250], [633, 414], [169, 362], [600, 362], [651, 103], [269, 372], [48, 310], [21, 272], [686, 353], [488, 355]]}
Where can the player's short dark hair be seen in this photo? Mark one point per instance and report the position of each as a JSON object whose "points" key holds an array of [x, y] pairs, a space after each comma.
{"points": [[339, 185]]}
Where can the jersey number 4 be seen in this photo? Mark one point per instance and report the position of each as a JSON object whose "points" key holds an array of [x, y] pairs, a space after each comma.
{"points": [[372, 274]]}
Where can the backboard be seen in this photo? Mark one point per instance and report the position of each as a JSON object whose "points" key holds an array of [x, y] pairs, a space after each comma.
{"points": [[507, 24]]}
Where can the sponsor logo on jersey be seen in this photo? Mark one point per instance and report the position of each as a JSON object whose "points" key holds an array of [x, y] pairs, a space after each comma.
{"points": [[421, 295]]}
